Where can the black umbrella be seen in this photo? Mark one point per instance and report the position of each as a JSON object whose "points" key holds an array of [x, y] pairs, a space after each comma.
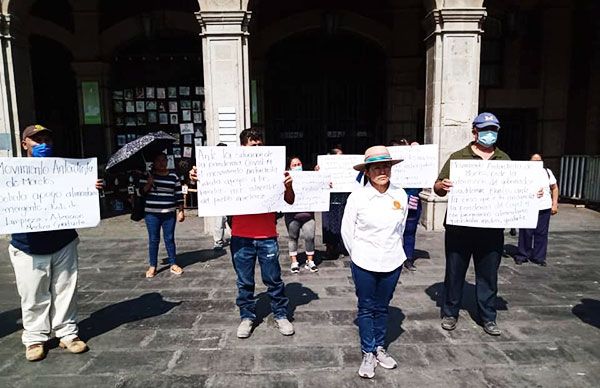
{"points": [[131, 155]]}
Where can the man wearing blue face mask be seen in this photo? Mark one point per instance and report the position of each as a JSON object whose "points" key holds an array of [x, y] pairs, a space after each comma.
{"points": [[484, 244], [45, 266]]}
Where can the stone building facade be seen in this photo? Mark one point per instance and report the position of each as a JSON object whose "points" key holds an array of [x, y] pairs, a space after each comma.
{"points": [[311, 73]]}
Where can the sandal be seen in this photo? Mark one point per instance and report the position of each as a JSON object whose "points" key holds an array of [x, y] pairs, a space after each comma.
{"points": [[175, 269], [151, 272]]}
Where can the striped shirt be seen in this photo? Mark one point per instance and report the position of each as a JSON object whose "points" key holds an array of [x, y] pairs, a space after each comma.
{"points": [[165, 195]]}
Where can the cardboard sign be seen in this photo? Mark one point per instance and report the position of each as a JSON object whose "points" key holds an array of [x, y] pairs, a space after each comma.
{"points": [[40, 194]]}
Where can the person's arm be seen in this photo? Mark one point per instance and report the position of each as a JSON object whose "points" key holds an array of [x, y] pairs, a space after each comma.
{"points": [[193, 174], [554, 192], [288, 196], [348, 227], [99, 184], [147, 183], [443, 184]]}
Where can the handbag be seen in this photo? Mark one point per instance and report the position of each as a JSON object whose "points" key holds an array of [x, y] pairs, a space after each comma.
{"points": [[138, 205]]}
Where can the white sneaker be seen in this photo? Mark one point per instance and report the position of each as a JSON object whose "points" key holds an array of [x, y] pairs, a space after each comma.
{"points": [[244, 330], [284, 326], [384, 359], [367, 367], [295, 268], [311, 266]]}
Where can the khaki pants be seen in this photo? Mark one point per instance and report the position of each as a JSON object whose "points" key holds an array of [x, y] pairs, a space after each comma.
{"points": [[47, 285]]}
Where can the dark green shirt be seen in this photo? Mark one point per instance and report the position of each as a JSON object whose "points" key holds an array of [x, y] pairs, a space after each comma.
{"points": [[467, 153]]}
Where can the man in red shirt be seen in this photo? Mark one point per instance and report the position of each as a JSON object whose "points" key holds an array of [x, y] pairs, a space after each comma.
{"points": [[254, 236]]}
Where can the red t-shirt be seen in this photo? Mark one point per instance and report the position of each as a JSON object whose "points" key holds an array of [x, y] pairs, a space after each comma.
{"points": [[254, 225]]}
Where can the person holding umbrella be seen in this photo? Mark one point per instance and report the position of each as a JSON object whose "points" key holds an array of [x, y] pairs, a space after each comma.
{"points": [[164, 204]]}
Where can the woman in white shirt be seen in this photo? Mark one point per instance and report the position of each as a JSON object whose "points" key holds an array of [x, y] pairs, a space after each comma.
{"points": [[372, 229], [533, 243]]}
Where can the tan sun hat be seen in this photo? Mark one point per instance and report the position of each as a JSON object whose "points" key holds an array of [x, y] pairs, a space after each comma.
{"points": [[376, 154]]}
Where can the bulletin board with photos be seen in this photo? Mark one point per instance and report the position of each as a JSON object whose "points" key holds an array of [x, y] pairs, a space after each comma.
{"points": [[177, 110]]}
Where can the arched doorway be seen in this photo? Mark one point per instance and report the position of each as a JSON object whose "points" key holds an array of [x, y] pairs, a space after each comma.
{"points": [[55, 94], [322, 90]]}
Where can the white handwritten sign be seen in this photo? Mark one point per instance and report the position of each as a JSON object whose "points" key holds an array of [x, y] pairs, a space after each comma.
{"points": [[340, 167], [40, 194], [312, 192], [239, 180], [419, 167], [493, 194]]}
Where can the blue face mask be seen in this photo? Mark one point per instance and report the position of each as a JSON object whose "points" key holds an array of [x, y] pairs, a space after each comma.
{"points": [[487, 138], [296, 168], [41, 150]]}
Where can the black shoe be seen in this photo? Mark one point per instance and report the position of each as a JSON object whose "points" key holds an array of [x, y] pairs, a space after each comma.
{"points": [[449, 323], [409, 265], [520, 261], [491, 328], [512, 232], [541, 263]]}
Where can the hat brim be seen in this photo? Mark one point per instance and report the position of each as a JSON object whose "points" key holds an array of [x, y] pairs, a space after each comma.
{"points": [[362, 166], [487, 124]]}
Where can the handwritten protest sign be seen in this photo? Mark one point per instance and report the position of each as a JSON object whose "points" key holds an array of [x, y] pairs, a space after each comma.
{"points": [[343, 176], [239, 180], [39, 194], [493, 194], [419, 167], [312, 192]]}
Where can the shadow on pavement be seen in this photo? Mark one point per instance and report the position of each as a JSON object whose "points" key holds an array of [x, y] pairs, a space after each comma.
{"points": [[509, 250], [588, 311], [421, 254], [189, 258], [394, 325], [9, 322], [469, 302], [115, 315], [296, 292]]}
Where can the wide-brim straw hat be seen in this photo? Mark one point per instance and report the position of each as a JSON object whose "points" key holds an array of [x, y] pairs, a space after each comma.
{"points": [[376, 154]]}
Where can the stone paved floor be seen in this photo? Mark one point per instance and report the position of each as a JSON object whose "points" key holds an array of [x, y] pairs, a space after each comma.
{"points": [[180, 331]]}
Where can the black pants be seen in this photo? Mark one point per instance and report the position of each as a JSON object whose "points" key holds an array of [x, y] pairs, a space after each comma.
{"points": [[485, 245]]}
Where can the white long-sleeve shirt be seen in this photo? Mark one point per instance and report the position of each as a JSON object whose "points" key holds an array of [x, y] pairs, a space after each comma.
{"points": [[372, 228]]}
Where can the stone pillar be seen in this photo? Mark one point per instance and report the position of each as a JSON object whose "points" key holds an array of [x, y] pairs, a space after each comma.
{"points": [[226, 74], [453, 42], [10, 136]]}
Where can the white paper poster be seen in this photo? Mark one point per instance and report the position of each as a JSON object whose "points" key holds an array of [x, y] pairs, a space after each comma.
{"points": [[340, 167], [493, 194], [40, 194], [312, 192], [240, 180], [419, 169]]}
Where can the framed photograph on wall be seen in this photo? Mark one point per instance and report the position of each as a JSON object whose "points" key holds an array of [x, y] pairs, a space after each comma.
{"points": [[196, 106], [184, 90], [199, 90], [140, 106], [149, 92], [129, 106], [186, 128], [177, 152], [187, 139], [152, 117], [186, 115], [163, 118], [130, 121], [197, 117], [160, 93], [185, 104], [118, 94], [130, 137], [162, 106], [151, 105], [140, 119], [172, 92], [139, 93], [128, 94], [119, 120], [173, 118], [172, 106], [121, 140], [119, 107], [187, 152]]}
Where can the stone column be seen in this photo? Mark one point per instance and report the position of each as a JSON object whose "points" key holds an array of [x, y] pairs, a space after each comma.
{"points": [[10, 137], [453, 42], [226, 74]]}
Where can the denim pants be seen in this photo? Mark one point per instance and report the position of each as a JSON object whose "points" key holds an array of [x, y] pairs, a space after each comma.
{"points": [[533, 243], [154, 222], [410, 231], [374, 291], [245, 252], [486, 246]]}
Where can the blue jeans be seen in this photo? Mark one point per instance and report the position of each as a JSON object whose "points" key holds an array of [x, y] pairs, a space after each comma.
{"points": [[244, 252], [374, 291], [410, 231], [154, 221]]}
